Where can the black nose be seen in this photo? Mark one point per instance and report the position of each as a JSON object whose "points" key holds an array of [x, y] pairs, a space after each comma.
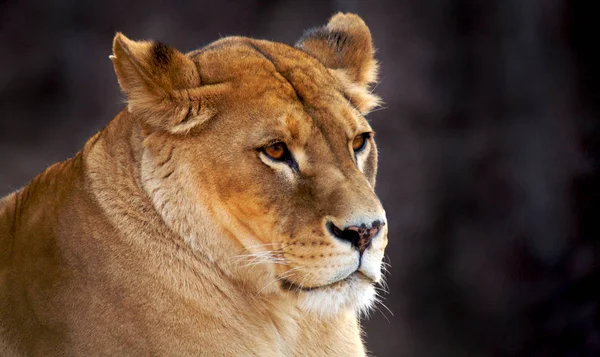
{"points": [[360, 236]]}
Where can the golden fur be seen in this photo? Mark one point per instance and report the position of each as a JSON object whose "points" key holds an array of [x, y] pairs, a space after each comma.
{"points": [[172, 234]]}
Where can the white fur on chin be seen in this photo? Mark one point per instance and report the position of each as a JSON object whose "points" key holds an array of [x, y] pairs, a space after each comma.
{"points": [[356, 294]]}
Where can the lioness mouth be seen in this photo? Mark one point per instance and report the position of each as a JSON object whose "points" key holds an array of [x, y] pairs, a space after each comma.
{"points": [[291, 286]]}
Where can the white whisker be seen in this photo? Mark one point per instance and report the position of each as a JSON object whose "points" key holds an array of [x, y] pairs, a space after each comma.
{"points": [[379, 300], [374, 110]]}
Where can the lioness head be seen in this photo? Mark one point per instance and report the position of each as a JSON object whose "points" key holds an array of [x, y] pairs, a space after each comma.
{"points": [[260, 151]]}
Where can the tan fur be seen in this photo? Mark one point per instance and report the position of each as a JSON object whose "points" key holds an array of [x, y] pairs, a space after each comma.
{"points": [[171, 234]]}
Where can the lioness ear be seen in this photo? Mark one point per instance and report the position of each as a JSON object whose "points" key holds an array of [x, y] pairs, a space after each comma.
{"points": [[345, 46], [161, 83]]}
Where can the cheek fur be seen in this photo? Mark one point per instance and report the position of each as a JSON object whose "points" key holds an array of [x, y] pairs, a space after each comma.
{"points": [[369, 168]]}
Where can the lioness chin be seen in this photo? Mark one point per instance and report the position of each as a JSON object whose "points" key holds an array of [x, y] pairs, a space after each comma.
{"points": [[229, 210]]}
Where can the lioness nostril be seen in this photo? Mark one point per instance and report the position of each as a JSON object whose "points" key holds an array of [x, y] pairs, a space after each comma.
{"points": [[335, 230], [359, 236], [377, 224]]}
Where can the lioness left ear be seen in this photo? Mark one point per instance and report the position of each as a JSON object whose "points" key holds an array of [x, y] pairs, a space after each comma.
{"points": [[162, 85], [345, 46]]}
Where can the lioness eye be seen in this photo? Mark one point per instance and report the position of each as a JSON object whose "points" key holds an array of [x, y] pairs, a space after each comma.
{"points": [[280, 153], [276, 151], [359, 142]]}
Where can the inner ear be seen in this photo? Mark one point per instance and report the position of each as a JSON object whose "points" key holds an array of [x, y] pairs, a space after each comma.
{"points": [[147, 66]]}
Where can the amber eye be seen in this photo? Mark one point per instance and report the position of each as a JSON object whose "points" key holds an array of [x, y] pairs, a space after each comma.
{"points": [[280, 153], [359, 142], [275, 151]]}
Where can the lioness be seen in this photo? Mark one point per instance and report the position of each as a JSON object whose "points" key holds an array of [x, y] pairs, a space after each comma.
{"points": [[228, 211]]}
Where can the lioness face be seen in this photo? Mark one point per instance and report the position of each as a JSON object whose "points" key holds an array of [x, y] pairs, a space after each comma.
{"points": [[284, 164], [296, 164]]}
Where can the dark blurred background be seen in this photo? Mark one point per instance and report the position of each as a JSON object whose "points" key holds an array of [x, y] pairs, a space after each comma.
{"points": [[490, 148]]}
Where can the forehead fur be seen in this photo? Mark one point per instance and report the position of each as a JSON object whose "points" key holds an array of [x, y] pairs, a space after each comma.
{"points": [[262, 66]]}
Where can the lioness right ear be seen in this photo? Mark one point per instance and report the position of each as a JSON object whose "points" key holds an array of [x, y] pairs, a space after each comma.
{"points": [[345, 46], [162, 85]]}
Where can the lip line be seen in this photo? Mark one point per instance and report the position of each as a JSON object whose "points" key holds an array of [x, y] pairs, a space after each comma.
{"points": [[288, 285]]}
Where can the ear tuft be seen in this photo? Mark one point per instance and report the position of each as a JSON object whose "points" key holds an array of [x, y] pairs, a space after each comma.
{"points": [[344, 43], [161, 83]]}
